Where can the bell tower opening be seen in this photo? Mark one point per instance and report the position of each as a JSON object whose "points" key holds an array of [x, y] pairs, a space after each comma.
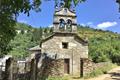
{"points": [[69, 25], [61, 24], [64, 20]]}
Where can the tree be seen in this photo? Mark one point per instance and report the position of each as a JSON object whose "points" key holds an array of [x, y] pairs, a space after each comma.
{"points": [[68, 3], [37, 35], [9, 10], [21, 44]]}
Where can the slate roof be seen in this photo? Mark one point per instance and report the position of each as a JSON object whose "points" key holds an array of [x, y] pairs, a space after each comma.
{"points": [[35, 48]]}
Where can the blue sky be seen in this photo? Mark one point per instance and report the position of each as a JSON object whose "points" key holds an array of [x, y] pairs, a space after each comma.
{"points": [[101, 14]]}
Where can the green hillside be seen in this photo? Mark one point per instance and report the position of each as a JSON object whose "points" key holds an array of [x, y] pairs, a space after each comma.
{"points": [[103, 45], [23, 41], [23, 26]]}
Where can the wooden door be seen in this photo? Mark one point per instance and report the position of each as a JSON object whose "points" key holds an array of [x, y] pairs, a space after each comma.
{"points": [[81, 67], [66, 66]]}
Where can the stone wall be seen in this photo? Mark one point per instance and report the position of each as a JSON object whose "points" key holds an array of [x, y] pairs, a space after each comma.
{"points": [[89, 65], [50, 67]]}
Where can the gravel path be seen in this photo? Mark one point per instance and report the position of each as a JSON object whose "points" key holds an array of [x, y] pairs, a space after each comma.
{"points": [[114, 74]]}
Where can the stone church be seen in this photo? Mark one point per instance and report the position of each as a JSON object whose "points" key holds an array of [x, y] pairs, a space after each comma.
{"points": [[65, 43]]}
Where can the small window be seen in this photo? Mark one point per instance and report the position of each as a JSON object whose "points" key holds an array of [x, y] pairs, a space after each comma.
{"points": [[65, 10], [65, 45]]}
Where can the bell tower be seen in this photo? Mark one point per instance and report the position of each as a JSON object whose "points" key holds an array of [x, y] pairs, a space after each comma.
{"points": [[64, 20]]}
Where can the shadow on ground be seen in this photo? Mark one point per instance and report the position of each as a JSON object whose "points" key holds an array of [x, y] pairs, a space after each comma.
{"points": [[115, 75], [75, 77]]}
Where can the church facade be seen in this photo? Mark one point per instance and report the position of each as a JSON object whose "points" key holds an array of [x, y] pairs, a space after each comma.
{"points": [[65, 43]]}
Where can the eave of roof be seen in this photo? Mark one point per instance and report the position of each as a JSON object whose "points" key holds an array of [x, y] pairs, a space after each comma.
{"points": [[65, 33], [36, 48]]}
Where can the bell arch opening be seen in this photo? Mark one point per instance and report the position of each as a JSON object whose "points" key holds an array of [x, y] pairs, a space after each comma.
{"points": [[69, 25], [62, 24]]}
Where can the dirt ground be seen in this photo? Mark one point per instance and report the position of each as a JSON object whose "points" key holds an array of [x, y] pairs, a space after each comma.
{"points": [[113, 74]]}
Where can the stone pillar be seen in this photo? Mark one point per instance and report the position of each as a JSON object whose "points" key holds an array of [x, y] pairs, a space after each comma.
{"points": [[8, 70], [87, 66], [14, 70], [33, 70], [0, 72], [27, 70]]}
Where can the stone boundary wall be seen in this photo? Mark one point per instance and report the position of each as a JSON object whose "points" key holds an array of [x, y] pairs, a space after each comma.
{"points": [[89, 65], [15, 72], [50, 67]]}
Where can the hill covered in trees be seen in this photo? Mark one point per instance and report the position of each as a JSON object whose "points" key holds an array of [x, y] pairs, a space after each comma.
{"points": [[103, 45], [26, 37]]}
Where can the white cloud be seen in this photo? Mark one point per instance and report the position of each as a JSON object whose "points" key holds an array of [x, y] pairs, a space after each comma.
{"points": [[50, 26], [87, 24], [82, 24], [105, 25], [90, 23], [22, 21]]}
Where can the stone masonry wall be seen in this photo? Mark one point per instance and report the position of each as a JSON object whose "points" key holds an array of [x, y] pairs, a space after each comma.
{"points": [[50, 67], [89, 65]]}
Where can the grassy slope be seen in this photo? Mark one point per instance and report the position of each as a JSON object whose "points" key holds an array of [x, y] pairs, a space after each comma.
{"points": [[103, 45]]}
